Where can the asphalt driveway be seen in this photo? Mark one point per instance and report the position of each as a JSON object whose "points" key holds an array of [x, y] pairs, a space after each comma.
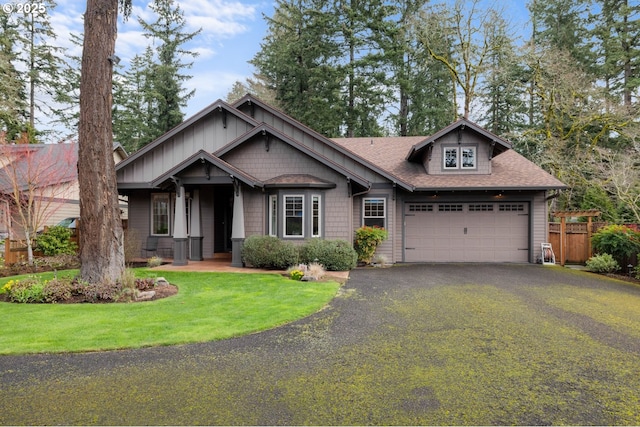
{"points": [[412, 344]]}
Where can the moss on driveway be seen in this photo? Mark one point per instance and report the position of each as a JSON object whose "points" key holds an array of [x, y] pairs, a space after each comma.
{"points": [[419, 344]]}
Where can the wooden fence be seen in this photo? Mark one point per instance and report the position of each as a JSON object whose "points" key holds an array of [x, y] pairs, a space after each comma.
{"points": [[16, 250], [577, 244]]}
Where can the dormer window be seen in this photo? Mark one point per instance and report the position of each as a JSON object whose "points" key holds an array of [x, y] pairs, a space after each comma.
{"points": [[459, 157]]}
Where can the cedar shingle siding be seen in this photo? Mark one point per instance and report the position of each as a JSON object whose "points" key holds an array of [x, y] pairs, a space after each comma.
{"points": [[252, 145]]}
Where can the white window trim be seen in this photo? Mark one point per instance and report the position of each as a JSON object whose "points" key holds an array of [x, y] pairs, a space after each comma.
{"points": [[475, 158], [459, 161], [384, 206], [284, 216], [444, 158], [273, 216], [155, 196], [317, 197]]}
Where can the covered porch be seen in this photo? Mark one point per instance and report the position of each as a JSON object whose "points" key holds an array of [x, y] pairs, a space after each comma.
{"points": [[208, 209]]}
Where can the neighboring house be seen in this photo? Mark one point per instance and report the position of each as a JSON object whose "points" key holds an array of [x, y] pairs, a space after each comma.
{"points": [[232, 171], [45, 175]]}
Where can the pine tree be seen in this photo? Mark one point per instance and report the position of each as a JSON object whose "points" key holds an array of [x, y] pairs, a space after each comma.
{"points": [[502, 91], [133, 112], [423, 86], [168, 96], [13, 104], [617, 31], [298, 61], [40, 58], [101, 236]]}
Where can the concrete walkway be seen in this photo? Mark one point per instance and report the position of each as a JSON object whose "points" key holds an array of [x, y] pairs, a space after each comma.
{"points": [[222, 263]]}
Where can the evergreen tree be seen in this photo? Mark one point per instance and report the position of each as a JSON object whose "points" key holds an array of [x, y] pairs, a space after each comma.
{"points": [[298, 60], [617, 31], [425, 90], [503, 89], [13, 104], [133, 111], [562, 25], [362, 25], [101, 236], [40, 58], [67, 95], [167, 95]]}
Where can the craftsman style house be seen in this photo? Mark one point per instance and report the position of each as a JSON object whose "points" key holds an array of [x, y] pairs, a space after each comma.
{"points": [[231, 171]]}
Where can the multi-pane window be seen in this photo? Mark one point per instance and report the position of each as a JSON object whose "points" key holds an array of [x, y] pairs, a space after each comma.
{"points": [[315, 216], [160, 214], [459, 157], [374, 212], [293, 216]]}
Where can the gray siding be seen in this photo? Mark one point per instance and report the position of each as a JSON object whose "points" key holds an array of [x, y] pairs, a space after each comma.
{"points": [[208, 134], [317, 145], [434, 166], [388, 247], [281, 159]]}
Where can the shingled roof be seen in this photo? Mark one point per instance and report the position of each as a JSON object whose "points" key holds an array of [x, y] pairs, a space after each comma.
{"points": [[510, 170]]}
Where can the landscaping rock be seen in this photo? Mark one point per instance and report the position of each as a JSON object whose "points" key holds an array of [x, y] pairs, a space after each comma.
{"points": [[160, 281], [145, 295]]}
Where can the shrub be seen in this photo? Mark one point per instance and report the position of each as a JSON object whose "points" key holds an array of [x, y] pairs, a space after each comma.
{"points": [[28, 290], [57, 290], [154, 261], [334, 255], [269, 252], [619, 241], [315, 270], [603, 263], [367, 240], [296, 274], [55, 241]]}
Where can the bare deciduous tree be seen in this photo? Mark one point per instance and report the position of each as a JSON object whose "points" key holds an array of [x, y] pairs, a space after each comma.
{"points": [[33, 180]]}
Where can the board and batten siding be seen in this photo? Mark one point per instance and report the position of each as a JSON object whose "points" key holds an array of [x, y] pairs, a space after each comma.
{"points": [[208, 134]]}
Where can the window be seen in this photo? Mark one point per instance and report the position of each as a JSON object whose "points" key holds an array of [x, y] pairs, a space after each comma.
{"points": [[511, 207], [420, 207], [293, 216], [480, 208], [160, 214], [273, 215], [374, 212], [450, 208], [451, 158], [315, 216], [459, 157], [468, 157]]}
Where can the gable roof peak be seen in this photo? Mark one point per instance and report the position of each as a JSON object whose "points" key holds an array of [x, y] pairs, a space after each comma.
{"points": [[461, 124]]}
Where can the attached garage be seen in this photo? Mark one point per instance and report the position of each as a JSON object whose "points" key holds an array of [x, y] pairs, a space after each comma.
{"points": [[466, 232]]}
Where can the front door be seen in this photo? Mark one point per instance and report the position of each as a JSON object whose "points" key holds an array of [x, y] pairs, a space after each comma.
{"points": [[222, 216]]}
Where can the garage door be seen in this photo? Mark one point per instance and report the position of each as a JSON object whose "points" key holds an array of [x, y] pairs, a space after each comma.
{"points": [[466, 232]]}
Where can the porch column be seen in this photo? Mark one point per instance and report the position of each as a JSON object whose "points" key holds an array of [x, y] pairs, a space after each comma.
{"points": [[196, 237], [237, 228], [180, 241]]}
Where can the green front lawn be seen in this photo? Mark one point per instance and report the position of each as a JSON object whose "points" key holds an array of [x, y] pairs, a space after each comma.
{"points": [[208, 307]]}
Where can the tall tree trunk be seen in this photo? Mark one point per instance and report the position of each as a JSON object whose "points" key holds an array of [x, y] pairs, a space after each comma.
{"points": [[101, 237]]}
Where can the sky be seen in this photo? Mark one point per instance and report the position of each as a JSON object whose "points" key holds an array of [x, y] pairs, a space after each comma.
{"points": [[232, 31]]}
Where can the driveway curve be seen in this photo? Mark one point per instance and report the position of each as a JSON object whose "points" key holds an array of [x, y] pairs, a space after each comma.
{"points": [[411, 344]]}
